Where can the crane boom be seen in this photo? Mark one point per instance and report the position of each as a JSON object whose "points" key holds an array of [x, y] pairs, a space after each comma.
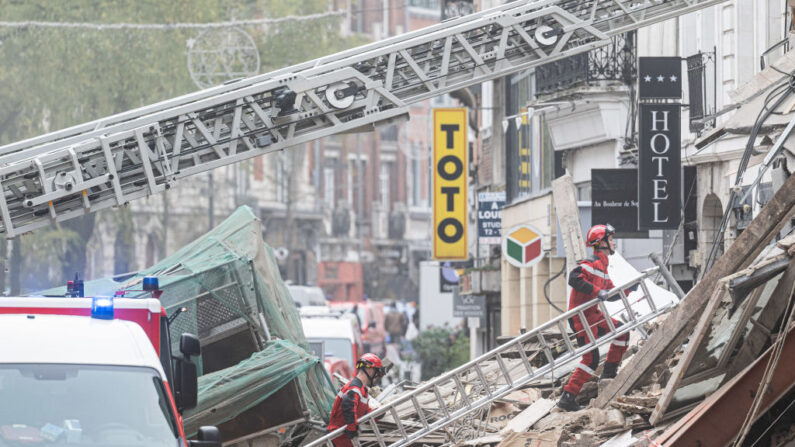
{"points": [[115, 160]]}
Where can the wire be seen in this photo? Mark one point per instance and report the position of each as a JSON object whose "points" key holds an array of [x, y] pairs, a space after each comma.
{"points": [[782, 93], [168, 26], [546, 289], [773, 424]]}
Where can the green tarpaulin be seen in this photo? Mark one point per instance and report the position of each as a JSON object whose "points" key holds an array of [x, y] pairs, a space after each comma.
{"points": [[229, 283]]}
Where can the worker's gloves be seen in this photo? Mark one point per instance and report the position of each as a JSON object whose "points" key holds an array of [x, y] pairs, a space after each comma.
{"points": [[602, 295]]}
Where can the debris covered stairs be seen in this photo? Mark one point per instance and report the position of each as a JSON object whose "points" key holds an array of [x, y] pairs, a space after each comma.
{"points": [[457, 400]]}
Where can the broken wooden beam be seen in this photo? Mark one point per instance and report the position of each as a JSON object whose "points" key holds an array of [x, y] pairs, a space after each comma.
{"points": [[717, 420], [565, 197], [742, 252], [690, 352], [760, 332]]}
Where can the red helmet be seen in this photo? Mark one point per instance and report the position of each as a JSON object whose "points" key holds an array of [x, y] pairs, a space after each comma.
{"points": [[370, 360], [597, 233]]}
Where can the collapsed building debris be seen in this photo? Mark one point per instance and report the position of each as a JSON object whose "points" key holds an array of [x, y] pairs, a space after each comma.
{"points": [[723, 339]]}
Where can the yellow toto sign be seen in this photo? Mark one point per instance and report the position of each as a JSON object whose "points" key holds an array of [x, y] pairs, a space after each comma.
{"points": [[450, 184]]}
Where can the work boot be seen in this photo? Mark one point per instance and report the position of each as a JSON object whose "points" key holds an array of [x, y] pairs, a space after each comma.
{"points": [[609, 371], [568, 402]]}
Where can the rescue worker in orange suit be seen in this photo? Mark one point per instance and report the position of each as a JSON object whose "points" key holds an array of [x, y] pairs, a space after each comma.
{"points": [[352, 401], [589, 280]]}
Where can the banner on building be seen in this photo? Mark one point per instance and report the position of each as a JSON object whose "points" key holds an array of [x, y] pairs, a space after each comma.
{"points": [[468, 306], [450, 184], [614, 200], [490, 217], [659, 167], [660, 78]]}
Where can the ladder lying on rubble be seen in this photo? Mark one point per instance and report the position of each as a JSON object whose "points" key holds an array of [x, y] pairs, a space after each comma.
{"points": [[468, 400]]}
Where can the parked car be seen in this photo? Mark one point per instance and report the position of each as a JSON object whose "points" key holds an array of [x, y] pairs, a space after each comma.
{"points": [[371, 317], [340, 336], [307, 295]]}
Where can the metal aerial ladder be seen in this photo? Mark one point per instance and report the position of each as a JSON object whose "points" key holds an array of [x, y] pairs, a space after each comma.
{"points": [[118, 159], [472, 387]]}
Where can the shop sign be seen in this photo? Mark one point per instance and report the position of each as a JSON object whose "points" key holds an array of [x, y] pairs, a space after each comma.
{"points": [[660, 78], [448, 279], [614, 200], [469, 306], [450, 184], [659, 167], [490, 217], [523, 246]]}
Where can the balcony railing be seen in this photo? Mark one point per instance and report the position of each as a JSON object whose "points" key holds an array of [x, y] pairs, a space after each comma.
{"points": [[616, 61]]}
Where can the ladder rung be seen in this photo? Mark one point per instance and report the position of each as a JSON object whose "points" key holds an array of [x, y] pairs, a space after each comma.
{"points": [[394, 413], [525, 360], [442, 404], [376, 432], [482, 378], [419, 410], [628, 306], [587, 327], [565, 333], [461, 390], [608, 319], [545, 347], [647, 295], [504, 369]]}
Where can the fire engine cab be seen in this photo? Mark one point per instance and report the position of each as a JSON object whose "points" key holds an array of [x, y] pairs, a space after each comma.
{"points": [[94, 372]]}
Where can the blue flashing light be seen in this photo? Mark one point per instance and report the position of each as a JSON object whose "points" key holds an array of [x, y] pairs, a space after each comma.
{"points": [[151, 283], [102, 308]]}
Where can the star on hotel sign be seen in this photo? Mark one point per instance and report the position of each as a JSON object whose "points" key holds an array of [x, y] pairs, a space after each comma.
{"points": [[660, 77]]}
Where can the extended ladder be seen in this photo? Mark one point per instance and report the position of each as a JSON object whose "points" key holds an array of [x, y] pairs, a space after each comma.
{"points": [[465, 400], [118, 159]]}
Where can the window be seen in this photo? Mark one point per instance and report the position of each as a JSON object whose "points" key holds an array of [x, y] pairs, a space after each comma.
{"points": [[351, 167], [109, 404], [427, 4], [530, 157], [283, 168], [487, 101], [386, 184], [416, 182], [328, 187], [259, 172]]}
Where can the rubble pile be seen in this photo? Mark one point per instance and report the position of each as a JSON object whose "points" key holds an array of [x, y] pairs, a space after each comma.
{"points": [[703, 363]]}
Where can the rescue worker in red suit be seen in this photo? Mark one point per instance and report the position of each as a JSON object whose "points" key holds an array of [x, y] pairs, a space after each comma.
{"points": [[589, 280], [352, 401]]}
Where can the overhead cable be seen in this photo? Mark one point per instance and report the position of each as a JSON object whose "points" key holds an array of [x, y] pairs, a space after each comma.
{"points": [[168, 26]]}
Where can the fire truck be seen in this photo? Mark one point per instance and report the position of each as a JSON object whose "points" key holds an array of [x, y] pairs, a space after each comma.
{"points": [[95, 371]]}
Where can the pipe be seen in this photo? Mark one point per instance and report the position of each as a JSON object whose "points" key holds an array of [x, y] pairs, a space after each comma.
{"points": [[666, 274]]}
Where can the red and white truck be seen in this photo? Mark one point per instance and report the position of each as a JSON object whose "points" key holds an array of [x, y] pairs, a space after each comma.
{"points": [[95, 372]]}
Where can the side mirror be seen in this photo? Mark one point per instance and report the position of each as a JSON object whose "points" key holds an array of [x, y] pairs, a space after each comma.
{"points": [[189, 345], [187, 385], [207, 437]]}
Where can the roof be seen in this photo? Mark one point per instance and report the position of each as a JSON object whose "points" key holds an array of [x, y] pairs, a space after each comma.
{"points": [[150, 304], [75, 340], [328, 328]]}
